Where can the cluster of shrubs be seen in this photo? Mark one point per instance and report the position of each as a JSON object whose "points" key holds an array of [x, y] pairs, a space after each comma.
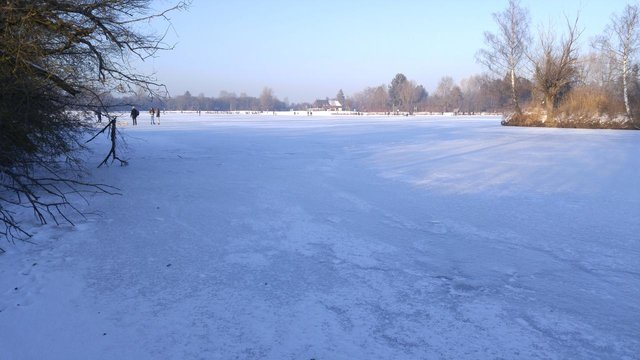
{"points": [[577, 121], [584, 108]]}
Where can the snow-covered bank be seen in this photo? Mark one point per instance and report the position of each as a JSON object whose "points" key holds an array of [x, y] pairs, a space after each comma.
{"points": [[349, 238]]}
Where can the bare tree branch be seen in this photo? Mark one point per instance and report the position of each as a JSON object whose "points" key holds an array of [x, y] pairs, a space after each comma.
{"points": [[555, 66], [506, 48], [59, 60]]}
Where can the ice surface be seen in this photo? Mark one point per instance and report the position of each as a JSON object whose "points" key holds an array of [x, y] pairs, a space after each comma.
{"points": [[275, 237]]}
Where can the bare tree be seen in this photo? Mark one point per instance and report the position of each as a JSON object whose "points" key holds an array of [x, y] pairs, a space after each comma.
{"points": [[443, 92], [408, 96], [555, 67], [59, 61], [598, 69], [266, 99], [372, 99], [456, 99], [620, 43], [506, 48]]}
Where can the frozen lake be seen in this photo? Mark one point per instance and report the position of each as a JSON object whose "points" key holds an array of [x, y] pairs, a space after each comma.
{"points": [[276, 237]]}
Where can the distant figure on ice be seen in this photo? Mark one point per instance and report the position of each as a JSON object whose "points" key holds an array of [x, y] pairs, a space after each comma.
{"points": [[153, 114], [158, 115], [134, 115], [99, 115]]}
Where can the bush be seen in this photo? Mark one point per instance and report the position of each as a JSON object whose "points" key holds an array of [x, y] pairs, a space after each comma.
{"points": [[586, 108], [588, 102], [531, 119]]}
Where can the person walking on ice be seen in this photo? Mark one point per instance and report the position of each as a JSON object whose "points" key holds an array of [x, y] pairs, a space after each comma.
{"points": [[158, 115], [152, 112], [134, 115]]}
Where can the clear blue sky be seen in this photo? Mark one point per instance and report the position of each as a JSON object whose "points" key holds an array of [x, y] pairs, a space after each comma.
{"points": [[305, 50]]}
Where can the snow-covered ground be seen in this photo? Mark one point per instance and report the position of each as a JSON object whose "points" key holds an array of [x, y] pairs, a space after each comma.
{"points": [[256, 237]]}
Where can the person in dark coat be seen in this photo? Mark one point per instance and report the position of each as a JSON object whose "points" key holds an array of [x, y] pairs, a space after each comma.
{"points": [[134, 115], [158, 115]]}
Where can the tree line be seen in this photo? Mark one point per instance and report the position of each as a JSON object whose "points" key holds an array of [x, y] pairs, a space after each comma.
{"points": [[599, 87], [476, 94], [225, 101], [536, 80], [541, 79]]}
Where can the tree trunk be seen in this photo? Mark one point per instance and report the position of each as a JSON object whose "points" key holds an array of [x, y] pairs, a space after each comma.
{"points": [[625, 85], [549, 100], [514, 94]]}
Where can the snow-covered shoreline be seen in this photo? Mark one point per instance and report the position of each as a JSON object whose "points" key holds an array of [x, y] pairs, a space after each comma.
{"points": [[322, 113], [340, 238]]}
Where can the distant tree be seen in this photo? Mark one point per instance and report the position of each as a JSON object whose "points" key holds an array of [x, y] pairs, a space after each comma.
{"points": [[374, 99], [455, 98], [230, 99], [185, 101], [598, 69], [407, 96], [279, 105], [497, 91], [443, 92], [57, 60], [620, 43], [380, 98], [474, 90], [525, 89], [506, 48], [267, 100], [396, 89], [555, 67], [348, 104], [341, 98], [420, 94], [199, 102], [247, 102], [359, 100]]}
